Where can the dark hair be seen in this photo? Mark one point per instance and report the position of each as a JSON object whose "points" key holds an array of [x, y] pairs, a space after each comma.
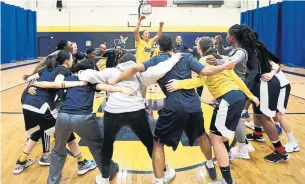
{"points": [[142, 32], [62, 56], [84, 65], [166, 43], [88, 51], [207, 47], [127, 57], [62, 44], [248, 40]]}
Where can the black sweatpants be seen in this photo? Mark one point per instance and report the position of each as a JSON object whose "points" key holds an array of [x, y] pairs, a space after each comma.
{"points": [[139, 124]]}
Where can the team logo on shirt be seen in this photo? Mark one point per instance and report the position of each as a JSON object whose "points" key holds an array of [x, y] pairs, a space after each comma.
{"points": [[147, 49]]}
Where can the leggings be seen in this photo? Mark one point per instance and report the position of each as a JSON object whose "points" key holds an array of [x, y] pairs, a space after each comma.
{"points": [[139, 124], [45, 138]]}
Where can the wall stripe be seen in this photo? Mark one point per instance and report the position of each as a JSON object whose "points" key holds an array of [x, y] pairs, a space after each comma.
{"points": [[131, 29]]}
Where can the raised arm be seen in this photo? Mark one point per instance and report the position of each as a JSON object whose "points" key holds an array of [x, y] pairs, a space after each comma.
{"points": [[159, 32], [40, 65], [219, 46], [137, 29], [154, 73]]}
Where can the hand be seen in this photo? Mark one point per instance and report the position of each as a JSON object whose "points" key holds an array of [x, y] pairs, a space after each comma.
{"points": [[218, 39], [142, 17], [128, 91], [267, 76], [256, 101], [172, 85], [111, 82], [25, 77], [161, 24], [230, 64], [32, 91], [211, 60], [177, 56]]}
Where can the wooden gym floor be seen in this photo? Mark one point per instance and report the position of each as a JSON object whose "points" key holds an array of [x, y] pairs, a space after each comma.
{"points": [[135, 165]]}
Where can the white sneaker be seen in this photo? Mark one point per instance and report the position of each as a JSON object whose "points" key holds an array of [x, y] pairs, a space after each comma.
{"points": [[169, 175], [250, 124], [241, 151], [250, 147], [291, 147], [100, 180]]}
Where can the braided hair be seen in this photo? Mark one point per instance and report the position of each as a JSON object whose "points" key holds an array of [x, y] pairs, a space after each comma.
{"points": [[62, 44], [248, 40]]}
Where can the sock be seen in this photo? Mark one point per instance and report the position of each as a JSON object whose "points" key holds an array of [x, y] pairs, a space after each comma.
{"points": [[244, 111], [290, 137], [227, 146], [210, 163], [158, 181], [241, 144], [258, 131], [278, 146], [80, 158], [23, 157], [105, 180], [226, 174]]}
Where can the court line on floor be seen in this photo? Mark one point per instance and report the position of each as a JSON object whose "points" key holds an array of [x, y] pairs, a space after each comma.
{"points": [[17, 66], [294, 73], [13, 87]]}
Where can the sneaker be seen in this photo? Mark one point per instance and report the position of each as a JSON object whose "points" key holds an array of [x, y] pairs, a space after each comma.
{"points": [[278, 128], [211, 171], [291, 147], [240, 151], [251, 125], [100, 180], [222, 181], [253, 137], [245, 115], [114, 169], [85, 166], [169, 175], [250, 147], [276, 157], [20, 166], [45, 160]]}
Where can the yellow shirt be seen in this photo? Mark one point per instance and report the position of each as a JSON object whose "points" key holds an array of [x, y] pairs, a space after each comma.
{"points": [[156, 52], [143, 50], [218, 84]]}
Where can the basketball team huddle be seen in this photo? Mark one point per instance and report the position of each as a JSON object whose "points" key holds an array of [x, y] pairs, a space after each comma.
{"points": [[59, 101]]}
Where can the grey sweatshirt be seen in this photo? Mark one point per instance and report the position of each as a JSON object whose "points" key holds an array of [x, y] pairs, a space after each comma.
{"points": [[119, 102]]}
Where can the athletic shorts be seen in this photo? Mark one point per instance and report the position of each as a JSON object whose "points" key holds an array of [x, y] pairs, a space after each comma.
{"points": [[171, 125], [273, 98], [226, 117]]}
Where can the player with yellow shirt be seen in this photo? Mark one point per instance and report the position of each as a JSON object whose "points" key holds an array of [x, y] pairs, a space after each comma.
{"points": [[143, 41], [229, 90]]}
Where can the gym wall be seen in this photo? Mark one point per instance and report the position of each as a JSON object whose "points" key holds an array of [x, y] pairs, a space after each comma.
{"points": [[107, 20]]}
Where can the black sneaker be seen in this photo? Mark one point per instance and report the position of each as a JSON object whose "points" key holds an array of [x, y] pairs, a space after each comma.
{"points": [[114, 169], [211, 171], [253, 137], [276, 157]]}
